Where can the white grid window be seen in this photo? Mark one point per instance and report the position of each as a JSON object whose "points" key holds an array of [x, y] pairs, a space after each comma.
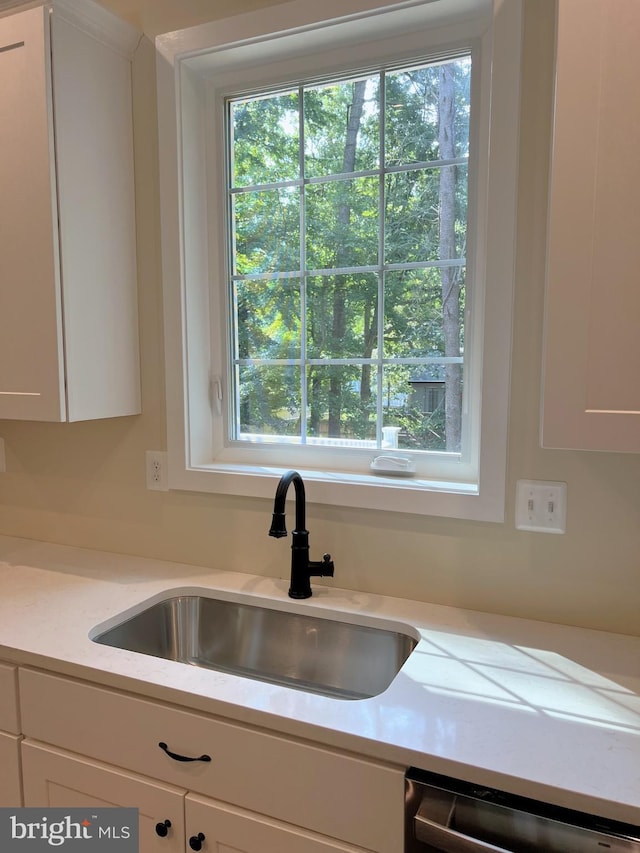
{"points": [[347, 206]]}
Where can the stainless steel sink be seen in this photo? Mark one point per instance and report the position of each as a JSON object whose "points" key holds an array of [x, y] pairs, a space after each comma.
{"points": [[305, 651]]}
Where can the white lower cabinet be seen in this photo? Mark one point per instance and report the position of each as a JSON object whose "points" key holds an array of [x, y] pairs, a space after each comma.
{"points": [[231, 830], [56, 779], [10, 794], [255, 791], [171, 820], [10, 781]]}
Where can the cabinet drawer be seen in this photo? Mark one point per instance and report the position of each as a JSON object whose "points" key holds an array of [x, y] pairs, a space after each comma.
{"points": [[10, 787], [9, 717], [337, 795]]}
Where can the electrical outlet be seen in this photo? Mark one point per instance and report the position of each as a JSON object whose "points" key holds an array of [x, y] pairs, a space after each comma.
{"points": [[541, 506], [156, 465]]}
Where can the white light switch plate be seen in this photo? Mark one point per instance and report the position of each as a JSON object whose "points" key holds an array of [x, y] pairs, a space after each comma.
{"points": [[541, 506]]}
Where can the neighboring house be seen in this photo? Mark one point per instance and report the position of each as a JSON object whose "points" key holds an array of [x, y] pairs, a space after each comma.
{"points": [[427, 389]]}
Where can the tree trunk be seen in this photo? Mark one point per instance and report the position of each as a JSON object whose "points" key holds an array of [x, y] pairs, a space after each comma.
{"points": [[343, 218], [450, 278]]}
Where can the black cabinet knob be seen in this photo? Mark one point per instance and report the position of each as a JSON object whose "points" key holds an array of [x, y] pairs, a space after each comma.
{"points": [[195, 842], [162, 829]]}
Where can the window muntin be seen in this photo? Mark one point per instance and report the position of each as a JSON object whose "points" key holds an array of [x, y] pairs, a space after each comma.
{"points": [[347, 222]]}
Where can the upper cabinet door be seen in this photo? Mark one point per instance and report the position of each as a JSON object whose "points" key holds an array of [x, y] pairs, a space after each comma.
{"points": [[592, 331], [31, 359], [95, 187], [68, 284]]}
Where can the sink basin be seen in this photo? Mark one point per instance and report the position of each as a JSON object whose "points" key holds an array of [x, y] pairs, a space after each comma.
{"points": [[304, 651]]}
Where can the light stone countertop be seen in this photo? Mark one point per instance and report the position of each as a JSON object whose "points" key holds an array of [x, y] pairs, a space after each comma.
{"points": [[533, 708]]}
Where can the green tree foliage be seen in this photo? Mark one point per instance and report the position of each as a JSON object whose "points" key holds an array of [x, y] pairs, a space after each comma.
{"points": [[314, 266]]}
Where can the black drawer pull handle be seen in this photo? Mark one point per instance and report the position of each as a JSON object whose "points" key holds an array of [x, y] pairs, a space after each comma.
{"points": [[195, 842], [162, 829], [177, 757]]}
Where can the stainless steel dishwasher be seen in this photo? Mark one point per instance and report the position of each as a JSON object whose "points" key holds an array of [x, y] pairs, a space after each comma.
{"points": [[451, 816]]}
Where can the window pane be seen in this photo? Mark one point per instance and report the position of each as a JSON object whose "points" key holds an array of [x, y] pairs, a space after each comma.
{"points": [[269, 399], [342, 316], [265, 140], [413, 318], [342, 401], [426, 215], [268, 318], [422, 104], [342, 224], [414, 403], [341, 125], [267, 231], [322, 267]]}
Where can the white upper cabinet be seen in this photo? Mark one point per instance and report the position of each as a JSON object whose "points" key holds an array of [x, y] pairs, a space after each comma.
{"points": [[68, 298], [592, 347]]}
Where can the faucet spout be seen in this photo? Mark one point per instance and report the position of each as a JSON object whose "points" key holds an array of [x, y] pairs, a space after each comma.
{"points": [[302, 569]]}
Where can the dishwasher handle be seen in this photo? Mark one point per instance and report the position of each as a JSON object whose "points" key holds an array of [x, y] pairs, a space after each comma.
{"points": [[431, 826]]}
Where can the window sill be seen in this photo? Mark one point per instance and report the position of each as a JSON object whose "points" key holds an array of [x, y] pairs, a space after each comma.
{"points": [[364, 491]]}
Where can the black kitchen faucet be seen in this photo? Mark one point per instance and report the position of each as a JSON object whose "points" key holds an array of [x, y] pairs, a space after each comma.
{"points": [[302, 568]]}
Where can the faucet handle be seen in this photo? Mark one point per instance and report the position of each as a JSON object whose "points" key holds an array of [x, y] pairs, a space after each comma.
{"points": [[327, 566]]}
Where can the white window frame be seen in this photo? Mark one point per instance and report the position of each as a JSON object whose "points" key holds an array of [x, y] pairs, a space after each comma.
{"points": [[194, 68]]}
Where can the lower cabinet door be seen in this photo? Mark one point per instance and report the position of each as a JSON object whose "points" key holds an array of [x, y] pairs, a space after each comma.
{"points": [[57, 779], [215, 827], [10, 794]]}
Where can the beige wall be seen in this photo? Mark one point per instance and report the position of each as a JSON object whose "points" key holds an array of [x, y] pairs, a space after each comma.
{"points": [[84, 484]]}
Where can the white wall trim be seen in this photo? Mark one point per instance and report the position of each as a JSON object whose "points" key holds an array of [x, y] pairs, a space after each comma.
{"points": [[192, 466]]}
